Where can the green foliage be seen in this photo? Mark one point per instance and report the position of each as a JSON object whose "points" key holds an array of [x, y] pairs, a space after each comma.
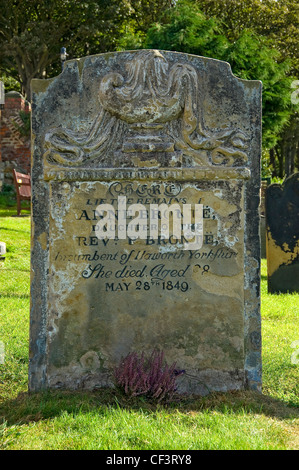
{"points": [[187, 29], [32, 33], [259, 38], [25, 128], [278, 23], [130, 39], [10, 83], [7, 198], [143, 13], [251, 58]]}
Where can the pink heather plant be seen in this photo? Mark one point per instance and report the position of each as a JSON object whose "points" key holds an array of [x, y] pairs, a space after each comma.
{"points": [[151, 377]]}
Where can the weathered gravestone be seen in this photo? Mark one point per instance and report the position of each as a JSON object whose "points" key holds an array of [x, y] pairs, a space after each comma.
{"points": [[114, 137], [282, 219]]}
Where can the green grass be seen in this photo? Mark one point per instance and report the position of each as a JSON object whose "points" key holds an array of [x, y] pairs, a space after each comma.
{"points": [[108, 420], [280, 328]]}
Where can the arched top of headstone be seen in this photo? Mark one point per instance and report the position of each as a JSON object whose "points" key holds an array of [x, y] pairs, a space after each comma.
{"points": [[147, 108], [13, 94]]}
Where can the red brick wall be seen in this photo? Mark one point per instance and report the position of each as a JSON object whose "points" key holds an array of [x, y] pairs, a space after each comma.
{"points": [[14, 148]]}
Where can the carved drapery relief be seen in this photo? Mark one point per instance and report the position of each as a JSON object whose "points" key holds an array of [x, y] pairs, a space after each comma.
{"points": [[153, 108]]}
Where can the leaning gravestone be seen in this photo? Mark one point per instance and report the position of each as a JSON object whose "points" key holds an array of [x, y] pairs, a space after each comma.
{"points": [[282, 219], [122, 143]]}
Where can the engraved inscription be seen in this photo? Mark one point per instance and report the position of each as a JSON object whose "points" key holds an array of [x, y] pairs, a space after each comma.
{"points": [[160, 263]]}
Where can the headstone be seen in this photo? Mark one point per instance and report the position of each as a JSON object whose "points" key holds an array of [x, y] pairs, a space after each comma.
{"points": [[2, 250], [119, 141], [282, 214]]}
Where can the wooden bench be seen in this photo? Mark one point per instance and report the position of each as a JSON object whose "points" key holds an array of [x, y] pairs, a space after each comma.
{"points": [[23, 188]]}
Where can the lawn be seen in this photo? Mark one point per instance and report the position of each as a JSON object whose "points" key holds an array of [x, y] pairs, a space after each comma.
{"points": [[107, 420]]}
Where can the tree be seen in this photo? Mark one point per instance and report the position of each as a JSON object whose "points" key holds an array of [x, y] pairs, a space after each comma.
{"points": [[278, 21], [187, 29], [246, 33], [251, 58], [32, 33], [143, 13]]}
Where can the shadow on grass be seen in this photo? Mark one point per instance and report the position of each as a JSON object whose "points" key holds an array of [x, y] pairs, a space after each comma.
{"points": [[14, 295], [15, 230], [8, 212], [33, 407]]}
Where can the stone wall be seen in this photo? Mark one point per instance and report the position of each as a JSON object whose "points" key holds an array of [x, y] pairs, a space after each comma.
{"points": [[14, 148]]}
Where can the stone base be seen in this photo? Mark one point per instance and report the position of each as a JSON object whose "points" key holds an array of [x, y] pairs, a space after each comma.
{"points": [[192, 383]]}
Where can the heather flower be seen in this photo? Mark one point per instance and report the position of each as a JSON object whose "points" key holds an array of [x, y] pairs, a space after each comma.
{"points": [[152, 376]]}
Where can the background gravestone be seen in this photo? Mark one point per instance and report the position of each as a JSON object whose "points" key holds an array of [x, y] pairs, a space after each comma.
{"points": [[159, 128], [282, 214], [264, 184]]}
